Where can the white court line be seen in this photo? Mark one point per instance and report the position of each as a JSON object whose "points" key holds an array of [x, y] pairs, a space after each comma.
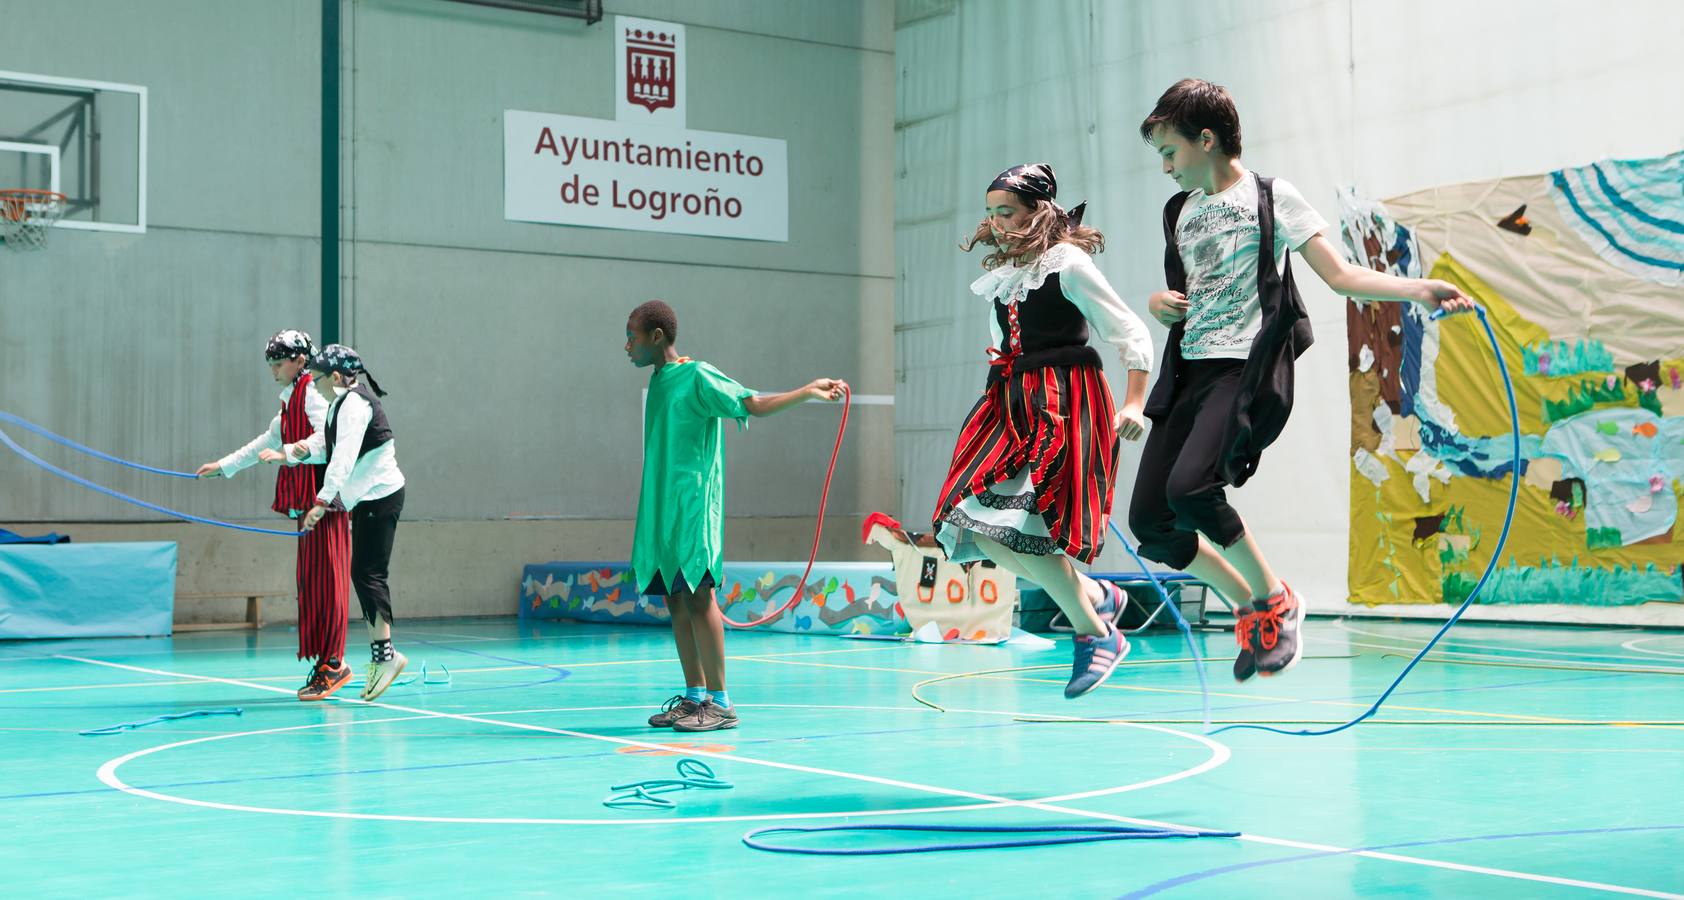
{"points": [[281, 642], [756, 657], [550, 709], [1453, 643], [1215, 760], [89, 687], [477, 638], [107, 775], [1588, 666], [1632, 645]]}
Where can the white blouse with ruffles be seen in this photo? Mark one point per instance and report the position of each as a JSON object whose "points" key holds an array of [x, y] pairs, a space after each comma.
{"points": [[1082, 284]]}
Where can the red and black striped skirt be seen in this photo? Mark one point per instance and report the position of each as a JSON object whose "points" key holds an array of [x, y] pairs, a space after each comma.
{"points": [[324, 587], [1035, 465]]}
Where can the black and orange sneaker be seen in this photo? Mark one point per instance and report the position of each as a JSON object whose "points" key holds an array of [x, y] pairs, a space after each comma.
{"points": [[678, 707], [1279, 618], [324, 680], [1245, 634]]}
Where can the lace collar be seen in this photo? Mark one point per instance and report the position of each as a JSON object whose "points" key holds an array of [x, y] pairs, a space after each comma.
{"points": [[1010, 283]]}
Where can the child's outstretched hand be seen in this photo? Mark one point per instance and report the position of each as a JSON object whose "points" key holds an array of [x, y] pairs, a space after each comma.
{"points": [[270, 456], [209, 470], [1168, 307], [1442, 295], [827, 389]]}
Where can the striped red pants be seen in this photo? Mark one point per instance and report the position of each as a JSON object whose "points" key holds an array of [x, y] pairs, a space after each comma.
{"points": [[1056, 420], [324, 587]]}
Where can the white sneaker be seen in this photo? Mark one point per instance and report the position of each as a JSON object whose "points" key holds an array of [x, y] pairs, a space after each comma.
{"points": [[382, 674]]}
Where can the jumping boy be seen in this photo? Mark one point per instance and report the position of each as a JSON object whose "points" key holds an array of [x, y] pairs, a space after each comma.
{"points": [[1236, 327]]}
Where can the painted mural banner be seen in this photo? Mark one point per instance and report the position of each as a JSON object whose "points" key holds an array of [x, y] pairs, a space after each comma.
{"points": [[1581, 272], [839, 599]]}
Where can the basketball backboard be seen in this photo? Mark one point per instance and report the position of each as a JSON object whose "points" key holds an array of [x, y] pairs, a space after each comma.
{"points": [[81, 138]]}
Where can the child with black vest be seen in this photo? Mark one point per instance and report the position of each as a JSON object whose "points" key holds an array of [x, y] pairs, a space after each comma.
{"points": [[363, 479], [1029, 486], [1236, 327]]}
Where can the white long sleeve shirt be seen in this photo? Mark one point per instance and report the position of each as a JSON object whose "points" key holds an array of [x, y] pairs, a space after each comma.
{"points": [[352, 479], [315, 409], [1081, 282]]}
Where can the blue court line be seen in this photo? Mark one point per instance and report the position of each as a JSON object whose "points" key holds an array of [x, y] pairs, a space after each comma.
{"points": [[1356, 698], [563, 673], [560, 673]]}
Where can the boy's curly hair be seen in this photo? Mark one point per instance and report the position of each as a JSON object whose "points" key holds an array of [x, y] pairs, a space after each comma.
{"points": [[656, 314]]}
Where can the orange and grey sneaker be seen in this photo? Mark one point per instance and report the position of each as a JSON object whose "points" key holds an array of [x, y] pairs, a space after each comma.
{"points": [[679, 707], [324, 680], [1245, 634], [1279, 618]]}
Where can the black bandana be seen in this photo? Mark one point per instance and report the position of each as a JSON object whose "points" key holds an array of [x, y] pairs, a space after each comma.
{"points": [[1032, 181], [289, 344], [342, 359], [1036, 182]]}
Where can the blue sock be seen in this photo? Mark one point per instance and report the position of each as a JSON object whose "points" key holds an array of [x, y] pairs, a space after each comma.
{"points": [[721, 699], [695, 693]]}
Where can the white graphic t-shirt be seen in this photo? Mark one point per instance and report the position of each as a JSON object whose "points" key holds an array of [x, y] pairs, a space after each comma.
{"points": [[1218, 238]]}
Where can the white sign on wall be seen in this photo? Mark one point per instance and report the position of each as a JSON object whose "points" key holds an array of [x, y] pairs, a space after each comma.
{"points": [[649, 57], [571, 170]]}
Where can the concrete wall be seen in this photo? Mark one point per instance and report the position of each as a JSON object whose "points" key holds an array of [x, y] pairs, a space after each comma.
{"points": [[516, 411], [1387, 97]]}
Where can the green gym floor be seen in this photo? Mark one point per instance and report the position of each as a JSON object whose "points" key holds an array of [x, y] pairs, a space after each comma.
{"points": [[1524, 762]]}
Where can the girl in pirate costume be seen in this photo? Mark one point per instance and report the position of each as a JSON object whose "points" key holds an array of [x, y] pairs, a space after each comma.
{"points": [[363, 480], [1031, 478], [324, 552]]}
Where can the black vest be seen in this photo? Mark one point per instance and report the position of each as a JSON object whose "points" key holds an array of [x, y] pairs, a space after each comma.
{"points": [[378, 432], [1264, 400], [1051, 331]]}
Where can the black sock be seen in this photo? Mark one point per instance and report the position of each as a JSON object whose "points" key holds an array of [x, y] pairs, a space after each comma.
{"points": [[334, 663], [382, 650]]}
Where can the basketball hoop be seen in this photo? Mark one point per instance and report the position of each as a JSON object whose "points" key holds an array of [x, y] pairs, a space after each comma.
{"points": [[26, 215]]}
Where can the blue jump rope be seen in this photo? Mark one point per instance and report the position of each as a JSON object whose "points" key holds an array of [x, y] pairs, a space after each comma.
{"points": [[644, 794], [1490, 567], [1082, 834], [60, 439], [29, 426]]}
